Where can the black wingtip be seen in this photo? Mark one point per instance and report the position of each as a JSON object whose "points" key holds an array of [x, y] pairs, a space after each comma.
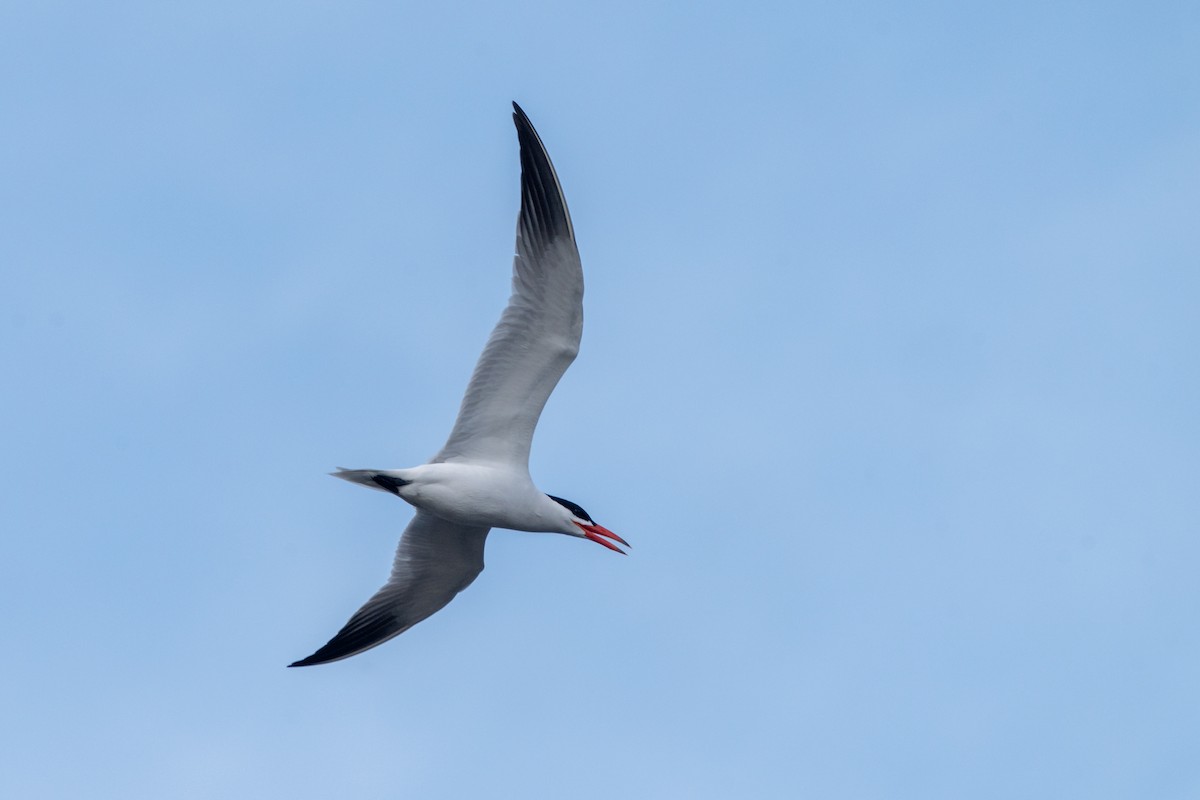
{"points": [[544, 214], [322, 656], [366, 629], [330, 651], [524, 126], [313, 660]]}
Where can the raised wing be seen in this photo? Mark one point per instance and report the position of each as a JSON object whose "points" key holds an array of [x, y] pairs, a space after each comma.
{"points": [[538, 333], [435, 561]]}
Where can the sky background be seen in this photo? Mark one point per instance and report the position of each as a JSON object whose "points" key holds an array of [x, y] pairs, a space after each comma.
{"points": [[889, 376]]}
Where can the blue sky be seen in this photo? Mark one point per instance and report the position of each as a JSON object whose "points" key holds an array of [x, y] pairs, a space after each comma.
{"points": [[889, 376]]}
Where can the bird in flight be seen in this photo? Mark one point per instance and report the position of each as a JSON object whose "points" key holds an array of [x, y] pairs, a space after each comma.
{"points": [[480, 479]]}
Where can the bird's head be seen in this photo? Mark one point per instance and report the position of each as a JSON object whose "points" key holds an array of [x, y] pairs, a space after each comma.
{"points": [[578, 522]]}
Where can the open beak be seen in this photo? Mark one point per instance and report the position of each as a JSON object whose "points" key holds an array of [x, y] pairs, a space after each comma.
{"points": [[596, 532]]}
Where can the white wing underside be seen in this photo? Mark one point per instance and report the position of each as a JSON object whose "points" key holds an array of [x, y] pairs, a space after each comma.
{"points": [[538, 333]]}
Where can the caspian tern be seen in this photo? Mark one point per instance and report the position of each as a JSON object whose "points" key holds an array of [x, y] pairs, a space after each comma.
{"points": [[480, 479]]}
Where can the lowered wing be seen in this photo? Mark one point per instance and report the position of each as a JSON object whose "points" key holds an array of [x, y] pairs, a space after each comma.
{"points": [[435, 561]]}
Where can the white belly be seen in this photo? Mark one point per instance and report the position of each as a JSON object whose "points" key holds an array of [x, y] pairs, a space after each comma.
{"points": [[470, 494]]}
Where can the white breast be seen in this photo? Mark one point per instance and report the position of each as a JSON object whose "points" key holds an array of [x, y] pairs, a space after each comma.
{"points": [[484, 496]]}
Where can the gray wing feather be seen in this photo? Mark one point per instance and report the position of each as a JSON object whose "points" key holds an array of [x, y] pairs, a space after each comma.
{"points": [[538, 335], [435, 561]]}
